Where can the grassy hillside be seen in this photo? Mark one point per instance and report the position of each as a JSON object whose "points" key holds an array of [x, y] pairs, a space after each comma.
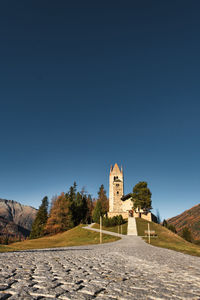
{"points": [[114, 228], [74, 237], [4, 248], [167, 239], [79, 236]]}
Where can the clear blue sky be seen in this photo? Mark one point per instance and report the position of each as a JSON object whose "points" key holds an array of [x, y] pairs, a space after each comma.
{"points": [[85, 84]]}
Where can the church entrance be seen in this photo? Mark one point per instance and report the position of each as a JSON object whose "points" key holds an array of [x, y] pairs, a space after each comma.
{"points": [[130, 213]]}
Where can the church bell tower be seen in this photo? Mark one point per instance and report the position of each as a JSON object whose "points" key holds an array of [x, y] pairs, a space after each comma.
{"points": [[116, 189]]}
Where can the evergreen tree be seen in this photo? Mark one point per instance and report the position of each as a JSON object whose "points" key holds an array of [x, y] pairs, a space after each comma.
{"points": [[172, 228], [98, 211], [141, 197], [71, 196], [40, 220], [186, 234], [165, 224], [72, 192], [79, 208], [82, 208], [158, 216], [169, 226], [103, 199]]}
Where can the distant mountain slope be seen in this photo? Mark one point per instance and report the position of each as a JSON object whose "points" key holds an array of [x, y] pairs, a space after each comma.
{"points": [[189, 218], [12, 229], [13, 213]]}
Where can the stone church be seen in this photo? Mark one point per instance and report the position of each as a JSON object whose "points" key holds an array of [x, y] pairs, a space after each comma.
{"points": [[120, 204]]}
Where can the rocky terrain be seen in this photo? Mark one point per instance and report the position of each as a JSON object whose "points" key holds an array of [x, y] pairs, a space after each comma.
{"points": [[126, 269], [15, 218], [189, 218]]}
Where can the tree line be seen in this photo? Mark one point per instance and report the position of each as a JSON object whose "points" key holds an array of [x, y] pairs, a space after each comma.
{"points": [[73, 208], [67, 211]]}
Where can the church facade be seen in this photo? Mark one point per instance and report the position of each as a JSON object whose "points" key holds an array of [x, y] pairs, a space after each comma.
{"points": [[120, 204]]}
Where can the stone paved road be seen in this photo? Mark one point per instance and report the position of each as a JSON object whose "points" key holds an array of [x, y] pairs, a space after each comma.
{"points": [[126, 269]]}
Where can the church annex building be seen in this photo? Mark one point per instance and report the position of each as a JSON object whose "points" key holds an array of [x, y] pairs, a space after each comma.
{"points": [[120, 204]]}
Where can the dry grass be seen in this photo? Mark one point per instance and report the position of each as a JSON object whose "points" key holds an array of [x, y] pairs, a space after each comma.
{"points": [[4, 248], [79, 236], [167, 239], [74, 237], [116, 229]]}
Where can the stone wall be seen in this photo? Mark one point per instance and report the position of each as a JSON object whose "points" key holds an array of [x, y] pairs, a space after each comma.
{"points": [[148, 217], [113, 214], [127, 205], [125, 214]]}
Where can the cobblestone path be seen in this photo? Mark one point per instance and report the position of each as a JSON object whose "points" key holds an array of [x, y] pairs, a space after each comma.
{"points": [[126, 269]]}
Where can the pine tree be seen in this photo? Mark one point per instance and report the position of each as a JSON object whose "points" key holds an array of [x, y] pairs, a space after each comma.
{"points": [[72, 192], [78, 204], [141, 197], [165, 224], [71, 196], [186, 234], [81, 208], [98, 211], [172, 228], [158, 216], [40, 220]]}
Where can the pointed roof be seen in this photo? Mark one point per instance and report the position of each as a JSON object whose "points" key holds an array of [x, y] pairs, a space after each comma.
{"points": [[126, 197], [116, 168]]}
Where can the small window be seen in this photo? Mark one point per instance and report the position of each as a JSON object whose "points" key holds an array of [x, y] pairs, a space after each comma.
{"points": [[117, 184], [115, 177], [117, 193]]}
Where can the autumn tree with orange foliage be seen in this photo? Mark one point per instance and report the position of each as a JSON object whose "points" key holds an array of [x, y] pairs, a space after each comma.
{"points": [[103, 199], [69, 210], [90, 208], [60, 217]]}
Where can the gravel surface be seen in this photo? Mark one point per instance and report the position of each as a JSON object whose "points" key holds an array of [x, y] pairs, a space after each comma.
{"points": [[126, 269]]}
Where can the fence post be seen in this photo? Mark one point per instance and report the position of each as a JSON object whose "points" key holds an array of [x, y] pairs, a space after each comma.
{"points": [[100, 229], [149, 232]]}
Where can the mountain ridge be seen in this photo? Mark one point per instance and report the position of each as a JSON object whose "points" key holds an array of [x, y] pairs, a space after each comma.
{"points": [[14, 201], [14, 213]]}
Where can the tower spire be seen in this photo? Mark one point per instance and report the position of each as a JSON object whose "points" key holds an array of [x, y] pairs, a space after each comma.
{"points": [[116, 189], [116, 167]]}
